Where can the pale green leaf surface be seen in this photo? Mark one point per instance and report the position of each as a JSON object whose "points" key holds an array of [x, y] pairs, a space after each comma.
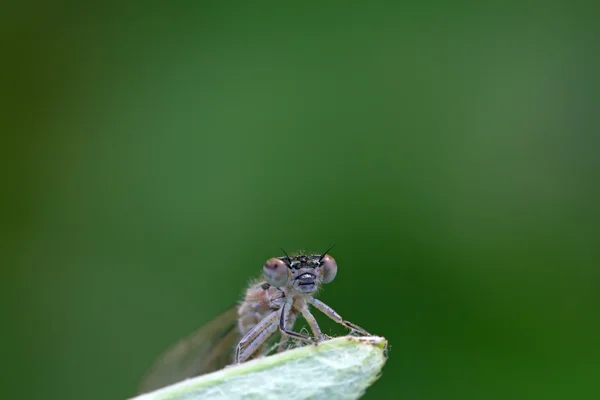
{"points": [[340, 368]]}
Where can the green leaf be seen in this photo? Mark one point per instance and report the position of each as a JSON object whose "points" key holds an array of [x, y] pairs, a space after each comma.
{"points": [[340, 368]]}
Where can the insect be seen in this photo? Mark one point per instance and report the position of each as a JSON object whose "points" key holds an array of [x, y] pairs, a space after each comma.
{"points": [[270, 305]]}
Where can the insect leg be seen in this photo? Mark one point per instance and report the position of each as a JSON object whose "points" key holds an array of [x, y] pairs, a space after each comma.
{"points": [[312, 321], [284, 338], [255, 332], [283, 317], [257, 342], [330, 312]]}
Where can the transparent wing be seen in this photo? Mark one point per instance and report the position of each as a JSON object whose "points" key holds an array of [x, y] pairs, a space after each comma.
{"points": [[208, 349]]}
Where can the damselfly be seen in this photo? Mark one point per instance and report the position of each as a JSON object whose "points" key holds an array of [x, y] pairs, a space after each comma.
{"points": [[270, 305]]}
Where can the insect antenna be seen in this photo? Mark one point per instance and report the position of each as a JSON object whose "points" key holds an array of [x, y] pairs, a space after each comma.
{"points": [[325, 253], [288, 260]]}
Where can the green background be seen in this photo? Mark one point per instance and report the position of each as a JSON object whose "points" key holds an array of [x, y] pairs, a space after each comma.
{"points": [[155, 155]]}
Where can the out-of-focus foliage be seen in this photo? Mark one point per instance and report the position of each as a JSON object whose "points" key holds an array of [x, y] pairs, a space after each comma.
{"points": [[153, 156]]}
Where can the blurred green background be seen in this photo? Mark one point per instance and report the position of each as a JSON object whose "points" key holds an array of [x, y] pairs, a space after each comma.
{"points": [[155, 155]]}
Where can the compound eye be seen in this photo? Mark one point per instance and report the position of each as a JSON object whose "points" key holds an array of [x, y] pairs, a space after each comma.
{"points": [[329, 269], [276, 272]]}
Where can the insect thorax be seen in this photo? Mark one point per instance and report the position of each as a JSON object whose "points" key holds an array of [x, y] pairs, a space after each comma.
{"points": [[260, 300]]}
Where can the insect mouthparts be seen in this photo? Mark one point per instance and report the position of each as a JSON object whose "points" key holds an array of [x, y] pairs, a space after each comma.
{"points": [[307, 276]]}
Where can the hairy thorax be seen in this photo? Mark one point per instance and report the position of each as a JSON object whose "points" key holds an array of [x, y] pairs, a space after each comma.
{"points": [[260, 300]]}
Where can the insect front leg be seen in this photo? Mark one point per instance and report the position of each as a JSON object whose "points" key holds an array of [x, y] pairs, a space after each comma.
{"points": [[284, 338], [255, 344], [256, 337], [330, 312], [312, 322], [285, 311]]}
